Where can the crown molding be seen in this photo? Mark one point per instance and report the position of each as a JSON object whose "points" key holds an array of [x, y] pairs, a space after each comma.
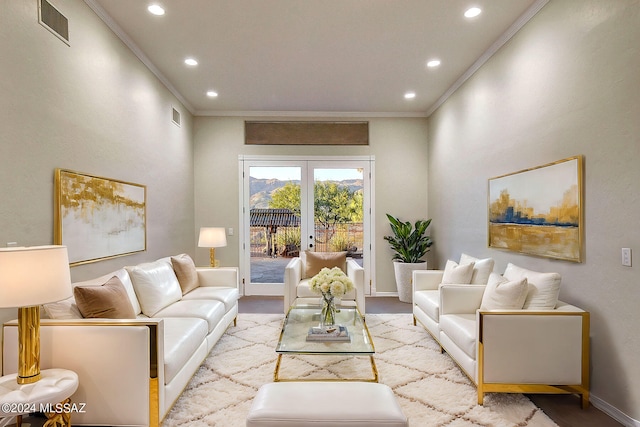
{"points": [[495, 47], [307, 114], [119, 32]]}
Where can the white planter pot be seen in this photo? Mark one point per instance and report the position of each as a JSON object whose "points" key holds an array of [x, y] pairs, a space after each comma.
{"points": [[404, 271]]}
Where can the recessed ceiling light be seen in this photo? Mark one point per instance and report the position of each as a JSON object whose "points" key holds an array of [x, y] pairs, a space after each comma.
{"points": [[473, 12], [433, 63], [409, 95], [156, 9], [190, 61], [212, 93]]}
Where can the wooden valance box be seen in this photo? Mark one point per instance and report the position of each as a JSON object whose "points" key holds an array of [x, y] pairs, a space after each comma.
{"points": [[306, 133]]}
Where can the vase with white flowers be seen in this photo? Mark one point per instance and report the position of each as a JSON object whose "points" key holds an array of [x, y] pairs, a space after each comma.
{"points": [[331, 283]]}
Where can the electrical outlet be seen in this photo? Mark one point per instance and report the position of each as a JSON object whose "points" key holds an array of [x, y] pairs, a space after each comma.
{"points": [[12, 244], [626, 257]]}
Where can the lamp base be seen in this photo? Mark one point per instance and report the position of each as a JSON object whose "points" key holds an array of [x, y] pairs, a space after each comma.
{"points": [[213, 262], [28, 344]]}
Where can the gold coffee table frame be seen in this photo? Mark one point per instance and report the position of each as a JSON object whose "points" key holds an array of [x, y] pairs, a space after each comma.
{"points": [[294, 334]]}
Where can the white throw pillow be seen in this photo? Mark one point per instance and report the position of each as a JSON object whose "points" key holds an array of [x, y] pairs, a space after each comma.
{"points": [[481, 270], [504, 294], [457, 274], [156, 285], [544, 288]]}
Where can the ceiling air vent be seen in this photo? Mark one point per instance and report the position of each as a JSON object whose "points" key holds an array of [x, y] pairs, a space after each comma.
{"points": [[53, 20], [175, 117]]}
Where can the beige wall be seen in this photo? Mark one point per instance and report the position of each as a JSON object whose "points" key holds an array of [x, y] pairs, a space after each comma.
{"points": [[567, 84], [400, 150], [92, 107]]}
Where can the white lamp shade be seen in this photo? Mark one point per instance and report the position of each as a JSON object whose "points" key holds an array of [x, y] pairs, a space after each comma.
{"points": [[34, 275], [212, 237]]}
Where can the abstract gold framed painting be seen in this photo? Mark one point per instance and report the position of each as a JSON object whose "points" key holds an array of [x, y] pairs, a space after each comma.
{"points": [[539, 211], [98, 218]]}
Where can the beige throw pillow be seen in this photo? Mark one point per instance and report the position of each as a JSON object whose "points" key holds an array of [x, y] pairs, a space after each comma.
{"points": [[544, 288], [504, 294], [316, 261], [109, 301], [457, 274], [481, 270], [185, 270]]}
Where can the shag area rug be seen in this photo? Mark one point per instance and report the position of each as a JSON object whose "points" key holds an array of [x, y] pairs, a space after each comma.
{"points": [[430, 388]]}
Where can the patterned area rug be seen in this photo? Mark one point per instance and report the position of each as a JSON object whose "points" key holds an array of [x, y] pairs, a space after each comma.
{"points": [[431, 389]]}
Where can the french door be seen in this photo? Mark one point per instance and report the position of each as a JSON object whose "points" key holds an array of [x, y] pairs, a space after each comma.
{"points": [[293, 204]]}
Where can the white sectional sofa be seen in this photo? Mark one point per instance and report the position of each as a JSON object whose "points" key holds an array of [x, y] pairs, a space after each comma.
{"points": [[135, 356], [511, 334]]}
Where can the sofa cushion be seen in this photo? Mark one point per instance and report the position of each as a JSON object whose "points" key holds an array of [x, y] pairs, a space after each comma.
{"points": [[457, 274], [108, 301], [182, 337], [544, 288], [482, 268], [461, 329], [315, 261], [504, 294], [185, 270], [429, 302], [228, 296], [67, 309], [210, 311], [156, 285]]}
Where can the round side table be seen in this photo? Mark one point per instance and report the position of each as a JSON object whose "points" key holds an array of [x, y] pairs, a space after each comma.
{"points": [[51, 394]]}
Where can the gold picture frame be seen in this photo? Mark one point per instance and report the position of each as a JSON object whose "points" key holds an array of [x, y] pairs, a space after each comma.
{"points": [[98, 218], [539, 211]]}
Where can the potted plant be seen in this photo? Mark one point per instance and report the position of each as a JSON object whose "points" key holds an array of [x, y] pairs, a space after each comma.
{"points": [[410, 243]]}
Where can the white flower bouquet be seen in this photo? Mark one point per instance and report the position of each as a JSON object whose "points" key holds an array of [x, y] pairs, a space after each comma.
{"points": [[331, 282]]}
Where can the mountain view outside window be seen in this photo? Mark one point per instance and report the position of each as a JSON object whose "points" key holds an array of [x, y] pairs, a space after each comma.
{"points": [[275, 217]]}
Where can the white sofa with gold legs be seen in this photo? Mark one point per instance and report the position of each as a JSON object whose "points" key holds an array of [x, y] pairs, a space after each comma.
{"points": [[514, 336], [426, 283], [133, 367]]}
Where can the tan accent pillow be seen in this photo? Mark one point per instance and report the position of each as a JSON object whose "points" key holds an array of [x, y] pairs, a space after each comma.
{"points": [[316, 261], [109, 301], [185, 270]]}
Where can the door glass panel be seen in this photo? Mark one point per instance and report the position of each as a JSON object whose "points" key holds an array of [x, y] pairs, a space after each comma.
{"points": [[338, 211], [274, 221]]}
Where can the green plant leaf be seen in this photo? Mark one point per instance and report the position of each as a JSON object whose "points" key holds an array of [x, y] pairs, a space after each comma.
{"points": [[409, 242]]}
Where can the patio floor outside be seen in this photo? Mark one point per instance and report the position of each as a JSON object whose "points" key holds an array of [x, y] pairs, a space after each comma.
{"points": [[271, 270]]}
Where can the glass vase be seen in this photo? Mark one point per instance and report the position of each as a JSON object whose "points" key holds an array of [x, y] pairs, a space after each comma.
{"points": [[328, 313]]}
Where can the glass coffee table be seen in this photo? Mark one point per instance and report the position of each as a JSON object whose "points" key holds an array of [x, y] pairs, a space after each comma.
{"points": [[302, 317]]}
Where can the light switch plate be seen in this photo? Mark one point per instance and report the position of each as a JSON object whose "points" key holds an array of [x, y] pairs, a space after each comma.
{"points": [[626, 257]]}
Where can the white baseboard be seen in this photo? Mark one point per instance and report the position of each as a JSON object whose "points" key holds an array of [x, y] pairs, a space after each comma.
{"points": [[613, 412], [385, 294]]}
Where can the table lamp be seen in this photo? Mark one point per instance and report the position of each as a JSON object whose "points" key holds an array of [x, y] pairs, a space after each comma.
{"points": [[212, 237], [30, 276]]}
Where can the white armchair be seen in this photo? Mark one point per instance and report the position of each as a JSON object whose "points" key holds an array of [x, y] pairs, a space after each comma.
{"points": [[300, 269]]}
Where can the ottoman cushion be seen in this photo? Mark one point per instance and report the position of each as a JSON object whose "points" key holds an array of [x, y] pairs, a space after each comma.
{"points": [[325, 404]]}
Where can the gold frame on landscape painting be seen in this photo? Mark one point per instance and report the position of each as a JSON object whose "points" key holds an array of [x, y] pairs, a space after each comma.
{"points": [[539, 211], [98, 218]]}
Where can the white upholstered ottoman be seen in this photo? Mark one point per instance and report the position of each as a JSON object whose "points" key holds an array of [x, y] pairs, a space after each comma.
{"points": [[325, 404]]}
